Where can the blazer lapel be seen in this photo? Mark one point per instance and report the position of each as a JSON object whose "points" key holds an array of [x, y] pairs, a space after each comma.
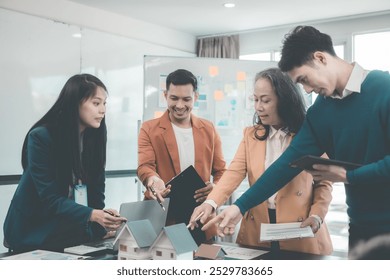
{"points": [[170, 141], [256, 154], [257, 151], [200, 146]]}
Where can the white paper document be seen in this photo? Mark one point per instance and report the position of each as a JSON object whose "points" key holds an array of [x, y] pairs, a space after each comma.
{"points": [[43, 255], [240, 253], [282, 231], [83, 249]]}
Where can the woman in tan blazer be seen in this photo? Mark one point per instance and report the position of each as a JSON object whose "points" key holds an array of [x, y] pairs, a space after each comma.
{"points": [[279, 114]]}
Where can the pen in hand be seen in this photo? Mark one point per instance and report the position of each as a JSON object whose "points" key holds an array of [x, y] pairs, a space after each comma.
{"points": [[155, 194], [110, 213], [113, 214], [196, 219]]}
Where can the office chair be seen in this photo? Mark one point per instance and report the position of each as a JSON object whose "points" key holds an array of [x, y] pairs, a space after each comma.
{"points": [[5, 244]]}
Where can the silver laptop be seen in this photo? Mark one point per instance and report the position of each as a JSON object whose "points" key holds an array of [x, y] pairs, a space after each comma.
{"points": [[132, 211]]}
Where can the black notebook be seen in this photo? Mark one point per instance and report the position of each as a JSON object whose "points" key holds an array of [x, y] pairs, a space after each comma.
{"points": [[307, 162], [183, 187]]}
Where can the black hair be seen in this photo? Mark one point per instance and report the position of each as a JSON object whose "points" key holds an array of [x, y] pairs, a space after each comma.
{"points": [[182, 77], [300, 44], [62, 121], [291, 107]]}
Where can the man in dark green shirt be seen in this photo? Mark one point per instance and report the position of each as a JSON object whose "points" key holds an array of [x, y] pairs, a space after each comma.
{"points": [[350, 121]]}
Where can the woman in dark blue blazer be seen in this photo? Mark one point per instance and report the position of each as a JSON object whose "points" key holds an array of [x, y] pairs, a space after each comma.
{"points": [[59, 200]]}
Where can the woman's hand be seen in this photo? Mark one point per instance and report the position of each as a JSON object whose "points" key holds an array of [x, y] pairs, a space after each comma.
{"points": [[313, 222], [107, 218], [204, 208], [226, 221]]}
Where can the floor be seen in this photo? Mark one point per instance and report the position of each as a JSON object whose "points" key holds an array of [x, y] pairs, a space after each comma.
{"points": [[337, 221]]}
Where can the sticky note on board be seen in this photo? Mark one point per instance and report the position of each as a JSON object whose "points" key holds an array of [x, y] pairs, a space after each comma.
{"points": [[218, 95], [241, 76], [213, 71]]}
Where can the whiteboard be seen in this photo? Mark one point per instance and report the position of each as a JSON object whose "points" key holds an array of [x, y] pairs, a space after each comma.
{"points": [[224, 86]]}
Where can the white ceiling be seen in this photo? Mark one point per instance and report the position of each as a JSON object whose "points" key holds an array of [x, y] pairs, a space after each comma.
{"points": [[207, 17]]}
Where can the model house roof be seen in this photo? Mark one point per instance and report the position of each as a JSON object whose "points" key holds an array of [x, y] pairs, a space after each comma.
{"points": [[142, 231], [180, 238], [208, 251]]}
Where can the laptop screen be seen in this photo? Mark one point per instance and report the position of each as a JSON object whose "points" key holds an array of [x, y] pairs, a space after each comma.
{"points": [[146, 209]]}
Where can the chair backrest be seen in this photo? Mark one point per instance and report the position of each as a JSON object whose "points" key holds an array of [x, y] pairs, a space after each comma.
{"points": [[5, 244]]}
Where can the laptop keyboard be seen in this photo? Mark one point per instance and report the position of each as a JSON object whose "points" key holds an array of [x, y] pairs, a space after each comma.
{"points": [[107, 243]]}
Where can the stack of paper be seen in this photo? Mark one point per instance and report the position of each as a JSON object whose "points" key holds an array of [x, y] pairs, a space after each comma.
{"points": [[282, 231]]}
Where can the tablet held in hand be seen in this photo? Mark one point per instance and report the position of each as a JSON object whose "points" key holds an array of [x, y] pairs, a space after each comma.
{"points": [[306, 162]]}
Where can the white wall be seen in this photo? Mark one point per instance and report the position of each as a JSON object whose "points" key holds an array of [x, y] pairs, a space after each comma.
{"points": [[37, 57], [38, 54], [84, 16]]}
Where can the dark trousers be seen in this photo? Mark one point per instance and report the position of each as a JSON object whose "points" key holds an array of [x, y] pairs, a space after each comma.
{"points": [[272, 219], [359, 233]]}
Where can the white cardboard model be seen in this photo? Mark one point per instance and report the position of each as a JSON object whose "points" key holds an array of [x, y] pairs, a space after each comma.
{"points": [[134, 240], [174, 243]]}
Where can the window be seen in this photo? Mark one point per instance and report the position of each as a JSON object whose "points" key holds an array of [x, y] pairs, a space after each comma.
{"points": [[339, 49], [123, 248], [371, 50], [172, 255], [276, 56], [266, 56], [158, 253]]}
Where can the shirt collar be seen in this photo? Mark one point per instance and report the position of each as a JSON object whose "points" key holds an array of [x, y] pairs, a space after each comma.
{"points": [[277, 132], [355, 80]]}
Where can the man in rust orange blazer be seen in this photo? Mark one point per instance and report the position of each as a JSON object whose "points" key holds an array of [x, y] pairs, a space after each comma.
{"points": [[178, 139]]}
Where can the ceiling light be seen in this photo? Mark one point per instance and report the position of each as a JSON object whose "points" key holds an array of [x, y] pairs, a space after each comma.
{"points": [[76, 35], [229, 5]]}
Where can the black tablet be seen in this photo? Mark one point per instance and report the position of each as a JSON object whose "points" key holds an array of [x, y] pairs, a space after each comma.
{"points": [[307, 162], [183, 187]]}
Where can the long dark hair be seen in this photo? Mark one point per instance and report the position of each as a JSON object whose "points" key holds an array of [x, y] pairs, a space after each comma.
{"points": [[62, 122], [291, 107]]}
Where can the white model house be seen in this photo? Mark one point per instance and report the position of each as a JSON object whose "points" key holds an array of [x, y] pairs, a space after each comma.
{"points": [[174, 243], [134, 240]]}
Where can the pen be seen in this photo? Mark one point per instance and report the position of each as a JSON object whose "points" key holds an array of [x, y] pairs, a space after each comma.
{"points": [[196, 219], [155, 194], [109, 212]]}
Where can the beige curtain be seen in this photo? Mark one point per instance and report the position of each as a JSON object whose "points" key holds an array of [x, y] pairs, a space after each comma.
{"points": [[219, 47]]}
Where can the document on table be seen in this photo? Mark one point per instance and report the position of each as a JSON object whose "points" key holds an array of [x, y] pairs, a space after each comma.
{"points": [[44, 255], [84, 249], [282, 231], [240, 253]]}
